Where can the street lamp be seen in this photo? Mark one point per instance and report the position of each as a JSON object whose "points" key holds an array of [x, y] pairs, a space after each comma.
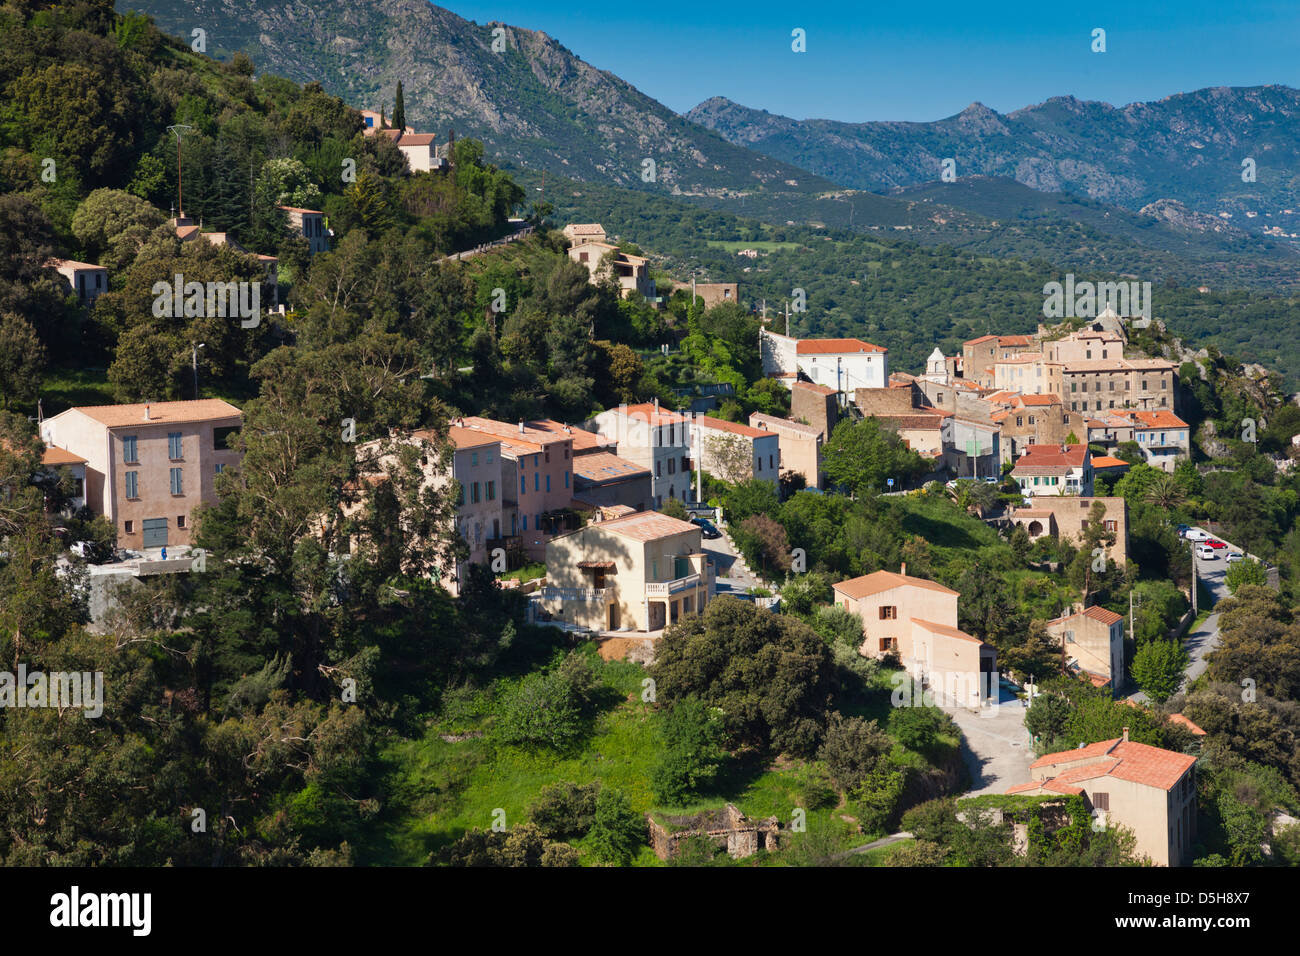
{"points": [[194, 361]]}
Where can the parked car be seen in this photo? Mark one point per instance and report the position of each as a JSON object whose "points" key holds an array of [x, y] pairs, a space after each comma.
{"points": [[1183, 529], [1234, 556], [1205, 552], [1216, 545], [707, 528], [1196, 534]]}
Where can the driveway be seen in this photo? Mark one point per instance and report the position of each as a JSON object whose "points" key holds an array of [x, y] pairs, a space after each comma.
{"points": [[731, 575], [995, 745]]}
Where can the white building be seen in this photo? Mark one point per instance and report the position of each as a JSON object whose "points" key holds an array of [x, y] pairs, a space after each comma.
{"points": [[842, 364], [656, 439]]}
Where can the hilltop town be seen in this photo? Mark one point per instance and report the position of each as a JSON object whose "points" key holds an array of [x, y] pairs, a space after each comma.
{"points": [[405, 522]]}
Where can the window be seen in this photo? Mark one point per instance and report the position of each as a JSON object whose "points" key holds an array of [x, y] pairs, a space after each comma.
{"points": [[473, 459], [566, 479], [582, 257], [548, 484], [525, 522], [1101, 801], [659, 469], [1019, 421], [221, 437], [128, 527], [133, 484], [180, 521], [488, 457], [537, 481], [129, 450], [888, 644], [889, 612], [176, 481], [548, 456], [473, 492], [1111, 525], [672, 465], [535, 463], [523, 485], [771, 461], [174, 445], [566, 452], [220, 468], [491, 491]]}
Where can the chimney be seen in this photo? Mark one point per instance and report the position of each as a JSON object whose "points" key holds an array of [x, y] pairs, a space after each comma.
{"points": [[656, 403], [902, 569], [521, 426], [1125, 735], [146, 411]]}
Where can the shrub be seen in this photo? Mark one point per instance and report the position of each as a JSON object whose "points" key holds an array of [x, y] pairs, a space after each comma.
{"points": [[918, 728], [1158, 668], [692, 751], [616, 830], [541, 710], [565, 810], [852, 749]]}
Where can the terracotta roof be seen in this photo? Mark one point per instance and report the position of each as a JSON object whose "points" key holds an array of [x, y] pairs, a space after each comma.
{"points": [[1095, 612], [468, 437], [647, 526], [1124, 760], [582, 439], [1159, 419], [160, 413], [651, 414], [1050, 458], [605, 466], [982, 338], [719, 424], [1106, 461], [819, 389], [584, 228], [1015, 340], [60, 456], [835, 346], [185, 233], [879, 581], [775, 424], [945, 630], [415, 139], [533, 433], [1046, 398], [1180, 719]]}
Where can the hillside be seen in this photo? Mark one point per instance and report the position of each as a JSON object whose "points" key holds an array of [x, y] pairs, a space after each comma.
{"points": [[534, 104], [908, 295], [1189, 147]]}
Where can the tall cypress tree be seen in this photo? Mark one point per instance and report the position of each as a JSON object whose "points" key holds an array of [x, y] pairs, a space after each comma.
{"points": [[399, 111]]}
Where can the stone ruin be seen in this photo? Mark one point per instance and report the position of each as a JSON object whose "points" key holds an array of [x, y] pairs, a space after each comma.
{"points": [[727, 827]]}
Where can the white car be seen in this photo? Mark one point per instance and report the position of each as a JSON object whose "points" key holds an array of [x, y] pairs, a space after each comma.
{"points": [[1205, 552], [1196, 534], [1235, 556]]}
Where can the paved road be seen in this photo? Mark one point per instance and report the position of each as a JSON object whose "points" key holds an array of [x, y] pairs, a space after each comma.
{"points": [[996, 746], [1200, 641], [732, 577]]}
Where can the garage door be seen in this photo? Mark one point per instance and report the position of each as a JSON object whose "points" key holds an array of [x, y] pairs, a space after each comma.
{"points": [[155, 532]]}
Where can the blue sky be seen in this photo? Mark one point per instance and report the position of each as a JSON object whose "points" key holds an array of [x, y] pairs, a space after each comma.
{"points": [[918, 59]]}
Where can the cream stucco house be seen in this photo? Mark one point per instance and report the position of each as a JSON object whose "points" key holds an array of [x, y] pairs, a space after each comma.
{"points": [[639, 572]]}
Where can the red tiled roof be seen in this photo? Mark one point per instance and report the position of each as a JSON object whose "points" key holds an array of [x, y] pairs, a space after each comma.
{"points": [[945, 630], [1159, 419], [605, 466], [879, 581], [172, 413], [719, 424], [647, 526], [583, 440], [1180, 719], [1106, 461], [1124, 760], [1052, 458], [60, 456], [819, 389], [835, 346], [1047, 398]]}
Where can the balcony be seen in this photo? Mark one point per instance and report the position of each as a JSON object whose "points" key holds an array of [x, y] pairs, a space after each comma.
{"points": [[675, 586], [602, 595]]}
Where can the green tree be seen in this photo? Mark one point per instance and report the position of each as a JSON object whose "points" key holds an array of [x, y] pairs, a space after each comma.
{"points": [[692, 753], [22, 360], [1245, 572], [399, 110], [1158, 668], [617, 831], [861, 455]]}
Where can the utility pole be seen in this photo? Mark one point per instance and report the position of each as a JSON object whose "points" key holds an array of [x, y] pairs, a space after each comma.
{"points": [[1194, 609], [177, 132], [194, 361]]}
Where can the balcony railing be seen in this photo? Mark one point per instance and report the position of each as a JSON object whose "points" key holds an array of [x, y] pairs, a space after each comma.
{"points": [[657, 588], [574, 594]]}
